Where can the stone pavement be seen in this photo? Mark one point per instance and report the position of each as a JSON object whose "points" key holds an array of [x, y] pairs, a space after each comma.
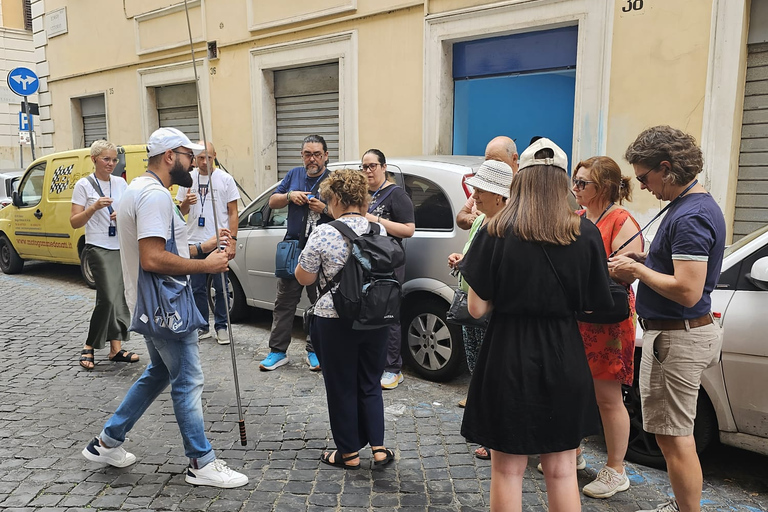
{"points": [[50, 408]]}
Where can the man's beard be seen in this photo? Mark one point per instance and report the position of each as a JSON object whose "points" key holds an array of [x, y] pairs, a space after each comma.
{"points": [[180, 176], [316, 168]]}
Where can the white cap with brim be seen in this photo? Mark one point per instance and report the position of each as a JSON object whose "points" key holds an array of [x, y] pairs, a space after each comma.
{"points": [[492, 176], [527, 159], [164, 139]]}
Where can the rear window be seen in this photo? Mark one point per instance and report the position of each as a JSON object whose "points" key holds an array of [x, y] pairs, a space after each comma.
{"points": [[431, 206]]}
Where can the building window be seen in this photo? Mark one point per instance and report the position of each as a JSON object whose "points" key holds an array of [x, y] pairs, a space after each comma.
{"points": [[27, 5], [94, 114]]}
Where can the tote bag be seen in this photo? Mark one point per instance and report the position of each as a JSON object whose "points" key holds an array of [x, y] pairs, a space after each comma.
{"points": [[165, 305]]}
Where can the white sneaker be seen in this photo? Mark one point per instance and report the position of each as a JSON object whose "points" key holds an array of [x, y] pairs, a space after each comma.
{"points": [[202, 334], [216, 474], [580, 463], [668, 506], [222, 336], [608, 482], [117, 456], [390, 380]]}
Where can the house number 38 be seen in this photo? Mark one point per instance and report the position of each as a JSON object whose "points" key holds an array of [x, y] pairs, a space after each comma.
{"points": [[632, 5]]}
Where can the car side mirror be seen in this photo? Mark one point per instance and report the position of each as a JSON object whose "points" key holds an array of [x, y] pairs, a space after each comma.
{"points": [[17, 199], [256, 219], [758, 275]]}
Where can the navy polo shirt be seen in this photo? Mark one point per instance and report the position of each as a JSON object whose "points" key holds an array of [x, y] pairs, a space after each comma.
{"points": [[297, 179]]}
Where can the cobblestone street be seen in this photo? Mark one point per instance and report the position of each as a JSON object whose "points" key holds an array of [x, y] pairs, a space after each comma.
{"points": [[50, 408]]}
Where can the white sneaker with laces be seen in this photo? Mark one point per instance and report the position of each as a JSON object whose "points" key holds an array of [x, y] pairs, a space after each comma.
{"points": [[222, 337], [390, 380], [667, 506], [116, 456], [608, 482], [216, 474], [580, 463]]}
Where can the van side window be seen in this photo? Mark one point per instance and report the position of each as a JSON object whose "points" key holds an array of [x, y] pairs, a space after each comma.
{"points": [[431, 207], [31, 189]]}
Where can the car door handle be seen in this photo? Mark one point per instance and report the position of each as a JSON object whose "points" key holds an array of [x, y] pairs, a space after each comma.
{"points": [[38, 214]]}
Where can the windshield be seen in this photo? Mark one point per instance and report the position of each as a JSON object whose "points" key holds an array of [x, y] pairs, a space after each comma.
{"points": [[744, 241]]}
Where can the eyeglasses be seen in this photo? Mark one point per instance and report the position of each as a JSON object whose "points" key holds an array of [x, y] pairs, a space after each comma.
{"points": [[190, 155], [317, 155], [372, 166], [108, 160], [580, 184], [642, 178]]}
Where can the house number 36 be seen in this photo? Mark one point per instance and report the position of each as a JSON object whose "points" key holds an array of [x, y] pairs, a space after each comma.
{"points": [[632, 5]]}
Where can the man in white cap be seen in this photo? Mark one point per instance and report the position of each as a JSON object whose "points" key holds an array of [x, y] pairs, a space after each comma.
{"points": [[145, 218]]}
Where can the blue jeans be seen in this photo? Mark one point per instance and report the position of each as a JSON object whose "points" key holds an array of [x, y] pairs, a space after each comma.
{"points": [[177, 363], [200, 290]]}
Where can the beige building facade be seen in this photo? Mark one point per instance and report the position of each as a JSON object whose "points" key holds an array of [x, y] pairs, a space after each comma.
{"points": [[16, 50], [383, 73]]}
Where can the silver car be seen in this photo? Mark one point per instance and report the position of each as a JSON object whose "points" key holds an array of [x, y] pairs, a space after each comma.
{"points": [[436, 186], [733, 403]]}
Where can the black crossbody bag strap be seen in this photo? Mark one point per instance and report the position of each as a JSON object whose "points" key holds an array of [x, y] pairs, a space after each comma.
{"points": [[97, 188], [562, 286]]}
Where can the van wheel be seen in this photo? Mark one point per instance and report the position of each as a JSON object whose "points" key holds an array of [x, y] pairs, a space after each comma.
{"points": [[237, 304], [430, 345], [10, 261], [85, 269], [642, 445]]}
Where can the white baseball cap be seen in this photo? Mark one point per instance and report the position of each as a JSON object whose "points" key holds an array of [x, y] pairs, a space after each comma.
{"points": [[164, 139], [527, 159]]}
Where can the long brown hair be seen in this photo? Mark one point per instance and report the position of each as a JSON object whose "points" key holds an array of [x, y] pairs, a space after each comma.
{"points": [[537, 209]]}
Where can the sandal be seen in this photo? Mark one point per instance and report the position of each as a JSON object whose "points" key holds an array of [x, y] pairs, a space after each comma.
{"points": [[483, 453], [87, 360], [386, 460], [325, 458], [124, 356]]}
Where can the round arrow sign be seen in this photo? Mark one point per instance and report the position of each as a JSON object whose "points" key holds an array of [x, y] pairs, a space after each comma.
{"points": [[23, 81]]}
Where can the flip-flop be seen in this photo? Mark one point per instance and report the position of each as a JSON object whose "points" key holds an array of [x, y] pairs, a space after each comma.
{"points": [[123, 356], [83, 359], [339, 460], [487, 455], [386, 460]]}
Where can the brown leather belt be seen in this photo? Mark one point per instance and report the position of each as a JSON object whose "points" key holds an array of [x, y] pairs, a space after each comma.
{"points": [[675, 325]]}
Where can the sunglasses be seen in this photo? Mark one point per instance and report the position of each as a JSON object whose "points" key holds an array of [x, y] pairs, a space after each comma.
{"points": [[580, 184], [643, 177]]}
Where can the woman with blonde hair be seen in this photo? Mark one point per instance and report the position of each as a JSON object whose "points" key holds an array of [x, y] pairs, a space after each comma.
{"points": [[600, 188], [352, 360], [94, 205], [531, 393]]}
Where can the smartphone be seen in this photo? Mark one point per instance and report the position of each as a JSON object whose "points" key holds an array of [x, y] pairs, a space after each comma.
{"points": [[310, 196]]}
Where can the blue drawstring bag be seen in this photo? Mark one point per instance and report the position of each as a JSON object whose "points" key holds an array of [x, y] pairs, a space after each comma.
{"points": [[165, 305]]}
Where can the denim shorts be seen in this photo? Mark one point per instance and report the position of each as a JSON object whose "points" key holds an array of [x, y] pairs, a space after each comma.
{"points": [[670, 376]]}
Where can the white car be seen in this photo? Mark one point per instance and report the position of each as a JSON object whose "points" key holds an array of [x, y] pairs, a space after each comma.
{"points": [[733, 402], [435, 184], [9, 180]]}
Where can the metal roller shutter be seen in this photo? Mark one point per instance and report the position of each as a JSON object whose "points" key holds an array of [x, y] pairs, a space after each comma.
{"points": [[752, 188], [306, 103], [177, 108], [94, 119]]}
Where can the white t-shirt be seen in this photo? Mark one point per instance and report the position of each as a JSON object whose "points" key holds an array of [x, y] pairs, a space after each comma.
{"points": [[97, 227], [226, 191], [146, 211]]}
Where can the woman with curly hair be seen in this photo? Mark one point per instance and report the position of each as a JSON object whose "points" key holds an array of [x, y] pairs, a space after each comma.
{"points": [[352, 360]]}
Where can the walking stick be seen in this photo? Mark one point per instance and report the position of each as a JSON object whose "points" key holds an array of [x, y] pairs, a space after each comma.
{"points": [[211, 168]]}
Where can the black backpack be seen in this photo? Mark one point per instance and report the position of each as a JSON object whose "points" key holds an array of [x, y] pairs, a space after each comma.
{"points": [[368, 292]]}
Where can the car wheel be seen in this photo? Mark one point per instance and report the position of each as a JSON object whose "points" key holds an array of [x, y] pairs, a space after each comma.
{"points": [[85, 269], [237, 304], [430, 345], [10, 261], [643, 448]]}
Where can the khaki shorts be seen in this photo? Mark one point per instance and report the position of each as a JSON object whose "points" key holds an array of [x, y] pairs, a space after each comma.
{"points": [[670, 376]]}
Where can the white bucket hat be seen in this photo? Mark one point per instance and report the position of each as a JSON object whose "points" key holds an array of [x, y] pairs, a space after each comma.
{"points": [[492, 176]]}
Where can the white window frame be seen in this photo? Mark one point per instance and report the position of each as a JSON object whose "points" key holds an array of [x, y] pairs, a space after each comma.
{"points": [[595, 22], [341, 47]]}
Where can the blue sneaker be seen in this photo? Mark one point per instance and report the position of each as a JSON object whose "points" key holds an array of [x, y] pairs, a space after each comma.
{"points": [[273, 360], [314, 364]]}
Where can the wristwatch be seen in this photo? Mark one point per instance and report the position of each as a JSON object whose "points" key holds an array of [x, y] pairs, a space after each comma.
{"points": [[199, 248], [325, 210]]}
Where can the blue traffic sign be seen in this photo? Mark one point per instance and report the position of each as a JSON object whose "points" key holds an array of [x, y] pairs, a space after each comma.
{"points": [[23, 81], [25, 122]]}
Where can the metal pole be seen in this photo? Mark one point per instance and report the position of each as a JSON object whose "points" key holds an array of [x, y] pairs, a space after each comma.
{"points": [[211, 168], [29, 127]]}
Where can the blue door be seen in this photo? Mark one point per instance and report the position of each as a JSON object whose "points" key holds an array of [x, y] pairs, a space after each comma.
{"points": [[519, 86]]}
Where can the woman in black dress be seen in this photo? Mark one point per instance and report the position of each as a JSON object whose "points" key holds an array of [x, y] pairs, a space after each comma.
{"points": [[533, 265]]}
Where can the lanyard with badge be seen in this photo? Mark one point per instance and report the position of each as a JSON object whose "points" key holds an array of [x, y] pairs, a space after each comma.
{"points": [[112, 231], [202, 191]]}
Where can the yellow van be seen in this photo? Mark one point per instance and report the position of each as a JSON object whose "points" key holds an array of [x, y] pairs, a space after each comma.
{"points": [[36, 226]]}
